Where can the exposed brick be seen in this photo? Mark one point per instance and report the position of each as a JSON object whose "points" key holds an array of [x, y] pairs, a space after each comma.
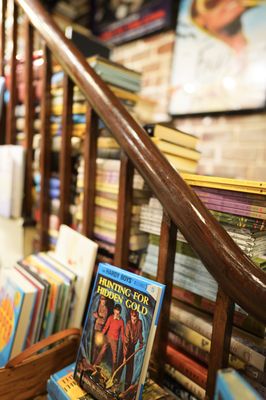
{"points": [[256, 172], [238, 152]]}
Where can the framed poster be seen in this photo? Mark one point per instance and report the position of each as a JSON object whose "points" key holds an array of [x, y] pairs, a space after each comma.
{"points": [[119, 21], [219, 61]]}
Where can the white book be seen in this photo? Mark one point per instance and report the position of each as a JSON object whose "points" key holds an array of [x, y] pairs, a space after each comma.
{"points": [[79, 254], [12, 174], [18, 158], [6, 173]]}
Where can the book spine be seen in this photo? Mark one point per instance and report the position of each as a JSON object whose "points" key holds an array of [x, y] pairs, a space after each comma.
{"points": [[54, 390], [179, 343], [202, 342], [191, 386], [234, 210], [241, 320], [177, 389], [245, 353], [191, 369], [229, 385]]}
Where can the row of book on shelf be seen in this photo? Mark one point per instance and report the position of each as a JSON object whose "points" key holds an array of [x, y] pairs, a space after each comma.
{"points": [[47, 292], [229, 386], [44, 293], [238, 205], [240, 208]]}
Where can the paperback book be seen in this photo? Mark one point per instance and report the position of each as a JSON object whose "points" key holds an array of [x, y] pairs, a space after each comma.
{"points": [[118, 334]]}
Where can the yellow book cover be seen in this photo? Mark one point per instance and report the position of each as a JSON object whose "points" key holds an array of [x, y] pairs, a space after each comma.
{"points": [[182, 164], [175, 149], [176, 136], [238, 185]]}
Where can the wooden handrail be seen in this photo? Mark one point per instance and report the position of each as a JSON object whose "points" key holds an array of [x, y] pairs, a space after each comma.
{"points": [[240, 279]]}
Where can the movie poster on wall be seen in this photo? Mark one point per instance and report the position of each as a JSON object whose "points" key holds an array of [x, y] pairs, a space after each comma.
{"points": [[219, 61]]}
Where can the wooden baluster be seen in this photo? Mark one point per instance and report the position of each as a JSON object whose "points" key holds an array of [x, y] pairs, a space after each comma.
{"points": [[45, 167], [29, 116], [3, 4], [165, 275], [65, 153], [221, 335], [90, 154], [10, 120], [125, 201]]}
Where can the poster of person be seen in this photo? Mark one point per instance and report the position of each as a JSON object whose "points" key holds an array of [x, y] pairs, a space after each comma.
{"points": [[219, 61]]}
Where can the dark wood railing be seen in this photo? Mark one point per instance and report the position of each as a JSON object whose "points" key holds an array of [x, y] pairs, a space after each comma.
{"points": [[239, 280]]}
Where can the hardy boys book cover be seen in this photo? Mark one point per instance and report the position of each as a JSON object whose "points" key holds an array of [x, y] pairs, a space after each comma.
{"points": [[118, 334]]}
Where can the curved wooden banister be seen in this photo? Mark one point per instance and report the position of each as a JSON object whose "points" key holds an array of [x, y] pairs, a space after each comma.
{"points": [[240, 279]]}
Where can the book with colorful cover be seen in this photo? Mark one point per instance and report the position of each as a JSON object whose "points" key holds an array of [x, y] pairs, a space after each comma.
{"points": [[230, 385], [118, 334], [62, 386], [17, 299]]}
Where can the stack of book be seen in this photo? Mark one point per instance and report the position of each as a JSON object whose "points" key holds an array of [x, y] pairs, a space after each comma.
{"points": [[179, 148], [124, 83], [240, 207], [107, 186], [45, 292]]}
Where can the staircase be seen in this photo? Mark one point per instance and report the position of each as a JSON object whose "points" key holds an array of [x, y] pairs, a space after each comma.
{"points": [[239, 280]]}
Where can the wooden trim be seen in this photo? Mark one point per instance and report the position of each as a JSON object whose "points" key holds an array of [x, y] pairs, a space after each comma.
{"points": [[124, 205], [65, 152], [90, 155], [29, 116], [221, 336], [10, 120], [165, 273], [3, 4], [45, 167]]}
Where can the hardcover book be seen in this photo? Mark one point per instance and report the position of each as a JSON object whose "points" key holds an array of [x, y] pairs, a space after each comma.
{"points": [[118, 334], [231, 385], [62, 386]]}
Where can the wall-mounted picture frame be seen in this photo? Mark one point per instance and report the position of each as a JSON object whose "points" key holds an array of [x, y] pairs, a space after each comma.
{"points": [[219, 61], [120, 21]]}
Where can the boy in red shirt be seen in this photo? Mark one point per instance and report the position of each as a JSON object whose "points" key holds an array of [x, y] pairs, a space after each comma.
{"points": [[113, 329]]}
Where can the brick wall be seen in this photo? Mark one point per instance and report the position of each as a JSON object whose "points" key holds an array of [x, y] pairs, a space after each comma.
{"points": [[230, 146], [152, 56]]}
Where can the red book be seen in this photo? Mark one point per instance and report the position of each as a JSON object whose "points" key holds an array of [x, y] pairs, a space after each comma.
{"points": [[187, 366]]}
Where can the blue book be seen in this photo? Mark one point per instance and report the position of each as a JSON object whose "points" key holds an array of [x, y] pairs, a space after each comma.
{"points": [[17, 299], [118, 334], [230, 385], [62, 386]]}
